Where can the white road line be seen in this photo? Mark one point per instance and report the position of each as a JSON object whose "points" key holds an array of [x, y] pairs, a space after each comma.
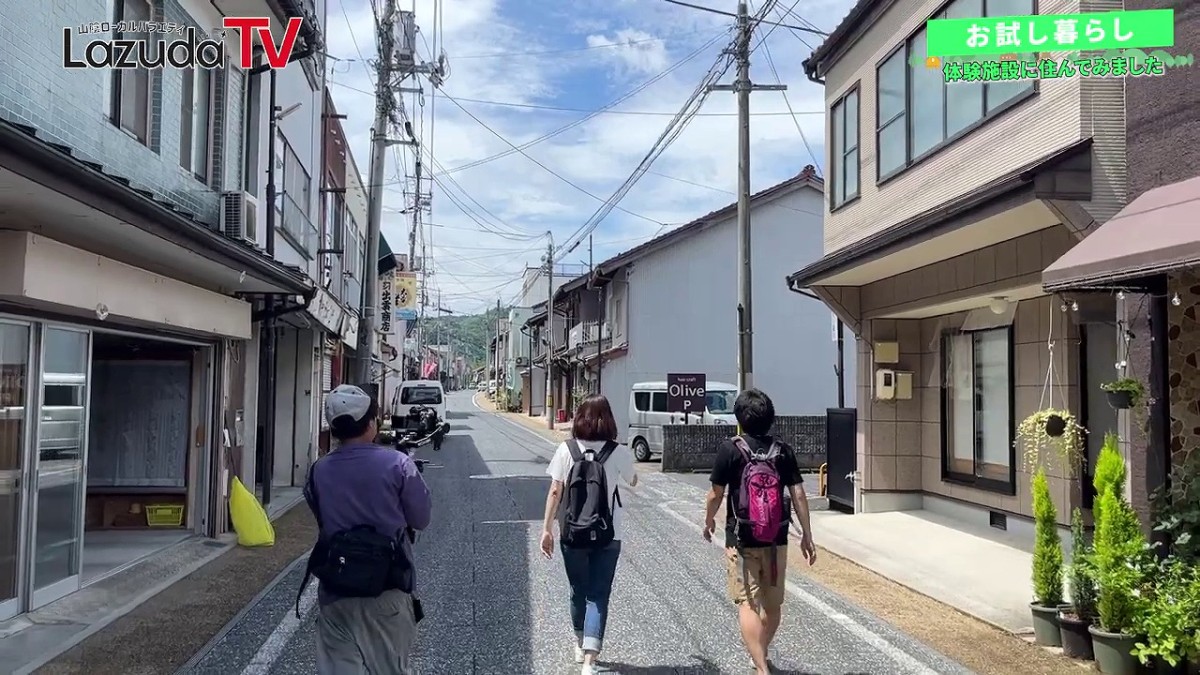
{"points": [[897, 655], [527, 430], [278, 640]]}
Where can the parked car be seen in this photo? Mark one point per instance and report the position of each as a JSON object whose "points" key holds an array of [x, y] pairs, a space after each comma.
{"points": [[412, 393], [491, 388], [648, 414]]}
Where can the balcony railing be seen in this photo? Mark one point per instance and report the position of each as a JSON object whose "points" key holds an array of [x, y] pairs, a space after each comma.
{"points": [[587, 333], [299, 228]]}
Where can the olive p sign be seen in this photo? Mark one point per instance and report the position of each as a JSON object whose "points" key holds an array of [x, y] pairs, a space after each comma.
{"points": [[685, 393]]}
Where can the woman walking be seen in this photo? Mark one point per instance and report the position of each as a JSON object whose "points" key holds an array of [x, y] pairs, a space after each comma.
{"points": [[584, 494]]}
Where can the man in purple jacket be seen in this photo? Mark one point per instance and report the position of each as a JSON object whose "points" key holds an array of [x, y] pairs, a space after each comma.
{"points": [[361, 483]]}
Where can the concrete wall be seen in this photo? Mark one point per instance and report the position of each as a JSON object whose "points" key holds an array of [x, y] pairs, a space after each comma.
{"points": [[679, 306]]}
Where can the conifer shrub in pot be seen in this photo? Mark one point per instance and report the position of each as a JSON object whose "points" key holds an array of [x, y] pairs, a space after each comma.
{"points": [[1047, 565], [1120, 554], [1074, 621]]}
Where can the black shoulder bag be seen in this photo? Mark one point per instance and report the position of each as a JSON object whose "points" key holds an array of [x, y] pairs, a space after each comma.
{"points": [[357, 563]]}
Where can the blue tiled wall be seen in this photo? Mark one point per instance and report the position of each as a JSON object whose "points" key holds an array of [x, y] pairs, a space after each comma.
{"points": [[71, 107]]}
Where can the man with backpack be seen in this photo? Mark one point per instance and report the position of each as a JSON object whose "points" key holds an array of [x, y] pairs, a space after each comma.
{"points": [[369, 500], [585, 495], [757, 476]]}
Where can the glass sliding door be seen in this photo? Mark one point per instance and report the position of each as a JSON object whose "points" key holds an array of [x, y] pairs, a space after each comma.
{"points": [[61, 464], [15, 358]]}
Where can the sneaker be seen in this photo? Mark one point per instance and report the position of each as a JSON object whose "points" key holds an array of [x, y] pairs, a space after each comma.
{"points": [[578, 654], [589, 669]]}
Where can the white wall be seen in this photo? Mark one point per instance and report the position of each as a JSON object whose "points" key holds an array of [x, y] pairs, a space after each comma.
{"points": [[533, 287], [681, 314], [296, 380]]}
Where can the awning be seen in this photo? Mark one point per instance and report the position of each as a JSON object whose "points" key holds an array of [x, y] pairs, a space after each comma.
{"points": [[1156, 233], [387, 259]]}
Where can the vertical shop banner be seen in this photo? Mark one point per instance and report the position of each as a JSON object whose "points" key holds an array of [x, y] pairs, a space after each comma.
{"points": [[387, 318], [405, 296]]}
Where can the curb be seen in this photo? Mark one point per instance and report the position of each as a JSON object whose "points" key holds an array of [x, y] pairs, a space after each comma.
{"points": [[225, 630]]}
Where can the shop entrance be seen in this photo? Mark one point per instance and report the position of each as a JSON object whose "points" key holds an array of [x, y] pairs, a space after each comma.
{"points": [[144, 404], [101, 459]]}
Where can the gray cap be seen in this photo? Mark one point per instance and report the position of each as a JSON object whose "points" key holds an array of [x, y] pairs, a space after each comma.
{"points": [[349, 400]]}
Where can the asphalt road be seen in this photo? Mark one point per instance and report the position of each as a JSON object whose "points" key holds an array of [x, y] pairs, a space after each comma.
{"points": [[494, 605]]}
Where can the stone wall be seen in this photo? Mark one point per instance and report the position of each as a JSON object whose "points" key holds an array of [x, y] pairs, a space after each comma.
{"points": [[692, 447], [1183, 329]]}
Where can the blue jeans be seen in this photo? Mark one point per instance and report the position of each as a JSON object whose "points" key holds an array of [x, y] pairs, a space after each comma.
{"points": [[590, 572]]}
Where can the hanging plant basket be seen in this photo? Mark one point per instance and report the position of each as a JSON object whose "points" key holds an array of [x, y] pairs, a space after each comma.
{"points": [[1055, 426], [1051, 433], [1124, 393]]}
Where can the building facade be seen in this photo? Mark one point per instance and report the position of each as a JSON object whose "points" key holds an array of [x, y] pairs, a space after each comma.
{"points": [[669, 306], [945, 203], [130, 304]]}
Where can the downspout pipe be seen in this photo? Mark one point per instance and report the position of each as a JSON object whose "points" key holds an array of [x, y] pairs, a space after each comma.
{"points": [[840, 367]]}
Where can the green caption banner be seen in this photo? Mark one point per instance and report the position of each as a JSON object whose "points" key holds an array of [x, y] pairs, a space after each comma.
{"points": [[1051, 32]]}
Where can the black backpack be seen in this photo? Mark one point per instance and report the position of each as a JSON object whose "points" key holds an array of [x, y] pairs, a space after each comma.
{"points": [[586, 514], [356, 563]]}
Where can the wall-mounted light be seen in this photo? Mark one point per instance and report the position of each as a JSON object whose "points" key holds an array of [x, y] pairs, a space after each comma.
{"points": [[998, 305], [102, 311], [1175, 300]]}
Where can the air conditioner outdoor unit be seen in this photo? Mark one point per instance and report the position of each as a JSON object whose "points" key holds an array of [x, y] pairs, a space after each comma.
{"points": [[239, 216]]}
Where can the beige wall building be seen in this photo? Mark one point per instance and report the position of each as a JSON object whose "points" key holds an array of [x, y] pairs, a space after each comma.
{"points": [[944, 204]]}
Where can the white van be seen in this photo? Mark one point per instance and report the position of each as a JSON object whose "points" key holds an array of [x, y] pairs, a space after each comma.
{"points": [[648, 414], [412, 393]]}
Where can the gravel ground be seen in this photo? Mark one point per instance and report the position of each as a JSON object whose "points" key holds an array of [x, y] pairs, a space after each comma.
{"points": [[495, 606], [161, 635]]}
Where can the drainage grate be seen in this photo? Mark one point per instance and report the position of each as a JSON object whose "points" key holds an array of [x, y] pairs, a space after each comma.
{"points": [[998, 520]]}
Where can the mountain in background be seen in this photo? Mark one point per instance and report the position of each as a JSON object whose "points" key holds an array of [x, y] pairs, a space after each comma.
{"points": [[469, 334]]}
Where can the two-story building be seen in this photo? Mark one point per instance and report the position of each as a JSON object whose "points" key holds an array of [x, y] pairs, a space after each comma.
{"points": [[1148, 257], [134, 283], [670, 306], [944, 204]]}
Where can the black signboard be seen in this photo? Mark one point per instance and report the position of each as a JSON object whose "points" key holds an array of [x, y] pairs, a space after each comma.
{"points": [[685, 392]]}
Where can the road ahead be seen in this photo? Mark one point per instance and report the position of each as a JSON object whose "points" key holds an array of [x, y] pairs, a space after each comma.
{"points": [[494, 605]]}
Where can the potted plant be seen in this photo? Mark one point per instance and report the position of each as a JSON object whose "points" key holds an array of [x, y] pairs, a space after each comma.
{"points": [[1119, 551], [1074, 621], [1109, 474], [1050, 431], [1124, 393], [1047, 565], [1170, 624]]}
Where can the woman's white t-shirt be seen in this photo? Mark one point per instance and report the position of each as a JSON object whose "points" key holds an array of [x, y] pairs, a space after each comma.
{"points": [[618, 471]]}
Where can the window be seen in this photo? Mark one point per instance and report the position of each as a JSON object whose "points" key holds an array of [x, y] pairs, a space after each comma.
{"points": [[421, 396], [844, 131], [658, 402], [918, 112], [195, 125], [641, 400], [131, 87], [293, 201], [977, 423], [720, 402]]}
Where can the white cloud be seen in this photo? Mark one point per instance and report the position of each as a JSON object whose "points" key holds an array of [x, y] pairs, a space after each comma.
{"points": [[572, 55]]}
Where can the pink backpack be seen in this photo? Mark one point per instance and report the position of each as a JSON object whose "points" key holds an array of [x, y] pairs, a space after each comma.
{"points": [[759, 510]]}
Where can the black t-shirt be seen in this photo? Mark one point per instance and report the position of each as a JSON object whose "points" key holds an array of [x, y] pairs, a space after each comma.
{"points": [[727, 473]]}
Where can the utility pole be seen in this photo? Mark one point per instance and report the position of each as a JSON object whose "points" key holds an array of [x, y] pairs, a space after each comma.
{"points": [[600, 323], [550, 326], [496, 355], [379, 146], [742, 87]]}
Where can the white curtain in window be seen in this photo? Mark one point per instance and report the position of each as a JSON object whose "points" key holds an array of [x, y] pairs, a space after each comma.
{"points": [[991, 354], [962, 398]]}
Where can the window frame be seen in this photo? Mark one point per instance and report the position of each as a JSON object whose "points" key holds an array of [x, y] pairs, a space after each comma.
{"points": [[116, 104], [837, 171], [644, 398], [1005, 487], [948, 140], [206, 174]]}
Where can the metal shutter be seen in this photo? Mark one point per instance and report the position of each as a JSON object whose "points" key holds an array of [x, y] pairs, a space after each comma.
{"points": [[326, 380]]}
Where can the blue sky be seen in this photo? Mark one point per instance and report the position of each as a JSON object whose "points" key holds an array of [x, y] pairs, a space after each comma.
{"points": [[507, 55]]}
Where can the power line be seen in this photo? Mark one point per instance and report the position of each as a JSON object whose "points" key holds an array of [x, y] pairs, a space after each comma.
{"points": [[547, 169], [611, 104], [543, 52], [769, 23], [655, 113], [771, 63]]}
